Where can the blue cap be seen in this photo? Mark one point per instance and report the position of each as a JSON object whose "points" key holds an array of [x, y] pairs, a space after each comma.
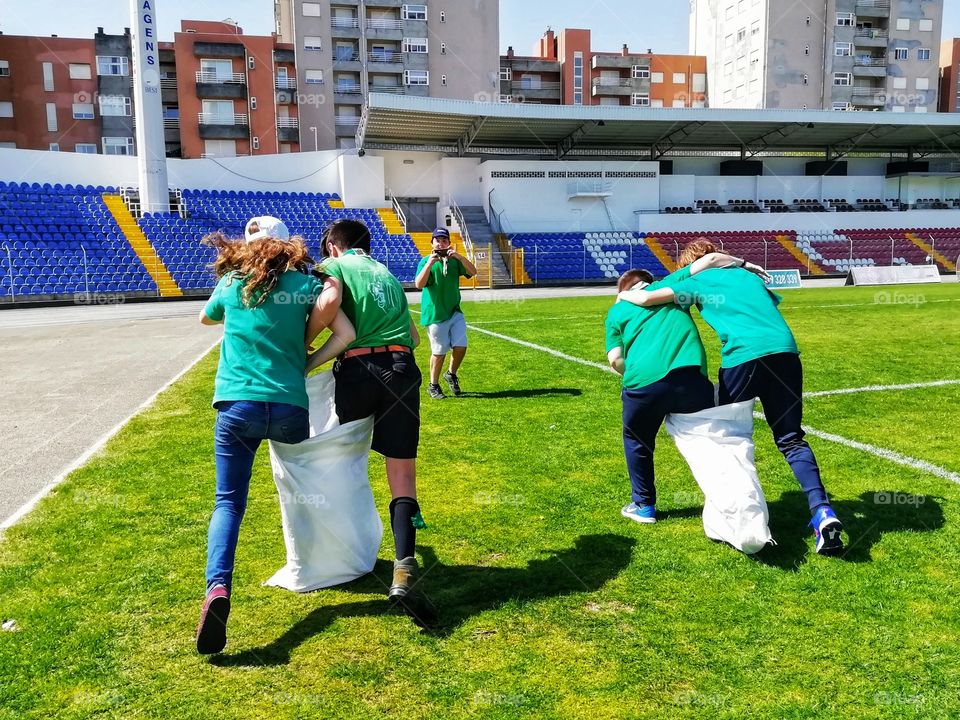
{"points": [[441, 233]]}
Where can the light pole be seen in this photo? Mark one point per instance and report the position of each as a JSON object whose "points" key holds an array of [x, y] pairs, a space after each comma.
{"points": [[313, 129]]}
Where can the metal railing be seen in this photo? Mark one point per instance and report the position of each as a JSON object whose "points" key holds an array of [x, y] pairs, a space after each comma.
{"points": [[528, 85], [343, 23], [347, 88], [384, 24], [218, 119], [211, 77], [395, 89], [462, 224], [346, 119], [395, 204], [385, 57], [612, 82], [342, 56], [866, 61], [875, 33], [876, 4], [288, 122], [285, 83]]}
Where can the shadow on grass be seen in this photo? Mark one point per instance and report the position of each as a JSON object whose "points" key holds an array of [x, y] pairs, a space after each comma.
{"points": [[533, 392], [450, 594], [865, 520]]}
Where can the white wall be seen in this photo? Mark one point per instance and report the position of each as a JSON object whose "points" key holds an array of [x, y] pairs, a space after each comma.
{"points": [[361, 181]]}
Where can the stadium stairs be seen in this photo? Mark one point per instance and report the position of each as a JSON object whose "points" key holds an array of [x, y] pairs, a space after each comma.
{"points": [[142, 247], [482, 237]]}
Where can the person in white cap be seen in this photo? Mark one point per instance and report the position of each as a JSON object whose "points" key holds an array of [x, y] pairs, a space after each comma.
{"points": [[264, 298]]}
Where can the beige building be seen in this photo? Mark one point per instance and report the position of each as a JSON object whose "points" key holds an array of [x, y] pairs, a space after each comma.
{"points": [[346, 49], [820, 54]]}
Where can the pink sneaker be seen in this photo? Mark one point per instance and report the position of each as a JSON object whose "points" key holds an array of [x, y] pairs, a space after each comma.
{"points": [[212, 630]]}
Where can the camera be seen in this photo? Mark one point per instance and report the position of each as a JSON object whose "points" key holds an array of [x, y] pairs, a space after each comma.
{"points": [[442, 252]]}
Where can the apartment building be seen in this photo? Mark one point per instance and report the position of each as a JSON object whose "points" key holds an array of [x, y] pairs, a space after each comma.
{"points": [[66, 94], [949, 75], [346, 49], [565, 70], [820, 54], [234, 94]]}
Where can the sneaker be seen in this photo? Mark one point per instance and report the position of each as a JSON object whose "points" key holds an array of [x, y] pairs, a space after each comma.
{"points": [[212, 630], [827, 529], [435, 391], [453, 381], [403, 572], [640, 513]]}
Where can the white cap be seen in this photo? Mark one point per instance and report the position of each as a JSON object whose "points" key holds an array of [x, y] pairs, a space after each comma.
{"points": [[267, 227]]}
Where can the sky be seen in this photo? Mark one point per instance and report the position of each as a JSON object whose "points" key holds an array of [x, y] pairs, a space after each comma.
{"points": [[657, 24]]}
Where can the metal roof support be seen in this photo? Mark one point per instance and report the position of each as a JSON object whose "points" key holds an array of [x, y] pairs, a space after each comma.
{"points": [[665, 143], [878, 131], [362, 128], [761, 143], [466, 140], [570, 141]]}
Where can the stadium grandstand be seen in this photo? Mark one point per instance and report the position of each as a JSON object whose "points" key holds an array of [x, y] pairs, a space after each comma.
{"points": [[537, 194]]}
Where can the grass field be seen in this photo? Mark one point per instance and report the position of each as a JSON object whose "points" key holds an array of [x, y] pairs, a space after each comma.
{"points": [[551, 605]]}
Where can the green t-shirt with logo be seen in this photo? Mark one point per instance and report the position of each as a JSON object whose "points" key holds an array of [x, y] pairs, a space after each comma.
{"points": [[372, 299], [654, 340], [262, 356], [441, 295], [743, 312]]}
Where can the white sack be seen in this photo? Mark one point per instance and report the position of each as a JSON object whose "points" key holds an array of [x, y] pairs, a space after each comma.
{"points": [[717, 444], [330, 523]]}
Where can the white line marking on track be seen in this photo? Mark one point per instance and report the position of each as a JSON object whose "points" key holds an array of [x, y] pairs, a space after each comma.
{"points": [[98, 445], [890, 455], [881, 388], [535, 319]]}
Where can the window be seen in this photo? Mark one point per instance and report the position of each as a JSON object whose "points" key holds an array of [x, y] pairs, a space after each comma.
{"points": [[115, 106], [925, 26], [220, 148], [80, 71], [741, 34], [506, 98], [48, 76], [900, 54], [842, 79], [738, 93], [414, 45], [112, 65], [54, 147], [8, 145], [729, 14], [728, 41], [920, 109], [679, 104], [6, 109], [414, 12], [923, 83], [899, 83], [578, 78], [699, 82], [640, 99], [311, 9], [506, 74], [656, 77], [898, 108], [843, 19], [312, 42], [656, 103], [118, 146], [923, 53], [727, 96], [699, 104], [640, 72], [416, 77], [4, 68], [841, 106], [86, 148], [83, 111], [728, 68], [755, 28], [51, 117], [843, 49], [218, 112], [216, 71], [903, 23], [679, 78], [314, 77], [755, 59]]}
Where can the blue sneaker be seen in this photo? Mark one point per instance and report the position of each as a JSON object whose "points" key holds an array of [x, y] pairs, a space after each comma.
{"points": [[640, 513], [827, 529]]}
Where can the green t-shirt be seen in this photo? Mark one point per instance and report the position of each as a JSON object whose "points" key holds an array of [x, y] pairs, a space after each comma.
{"points": [[372, 299], [441, 295], [262, 356], [654, 340], [742, 310]]}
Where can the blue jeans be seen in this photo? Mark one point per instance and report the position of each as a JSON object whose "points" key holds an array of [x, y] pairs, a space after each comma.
{"points": [[683, 390], [777, 380], [240, 428]]}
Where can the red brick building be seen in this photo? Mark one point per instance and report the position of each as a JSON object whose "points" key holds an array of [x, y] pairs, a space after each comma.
{"points": [[949, 75]]}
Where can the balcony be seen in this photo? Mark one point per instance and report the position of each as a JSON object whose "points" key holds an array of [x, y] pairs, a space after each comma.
{"points": [[385, 28], [866, 66], [385, 57], [618, 62], [871, 37], [226, 86], [214, 49], [394, 89], [520, 65], [288, 129], [535, 91], [873, 8], [223, 127], [619, 86], [346, 125], [285, 83], [285, 56], [344, 23], [347, 88], [868, 97]]}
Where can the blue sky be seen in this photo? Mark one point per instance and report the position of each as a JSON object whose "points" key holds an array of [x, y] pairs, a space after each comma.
{"points": [[657, 24]]}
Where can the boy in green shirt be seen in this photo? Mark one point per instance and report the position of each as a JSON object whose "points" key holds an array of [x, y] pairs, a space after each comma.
{"points": [[377, 376], [759, 359], [438, 275]]}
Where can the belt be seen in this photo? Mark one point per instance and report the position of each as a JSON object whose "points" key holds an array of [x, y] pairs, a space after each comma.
{"points": [[356, 352]]}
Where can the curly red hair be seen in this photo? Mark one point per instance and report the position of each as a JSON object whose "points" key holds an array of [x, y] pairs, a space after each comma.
{"points": [[259, 263]]}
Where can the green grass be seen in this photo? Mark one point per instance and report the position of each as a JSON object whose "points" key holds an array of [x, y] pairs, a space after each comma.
{"points": [[551, 605]]}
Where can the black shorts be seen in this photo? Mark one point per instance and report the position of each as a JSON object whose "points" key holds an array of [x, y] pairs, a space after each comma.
{"points": [[387, 386]]}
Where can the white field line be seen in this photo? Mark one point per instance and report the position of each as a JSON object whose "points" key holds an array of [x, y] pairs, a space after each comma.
{"points": [[536, 319], [866, 304], [98, 445], [890, 455], [881, 388]]}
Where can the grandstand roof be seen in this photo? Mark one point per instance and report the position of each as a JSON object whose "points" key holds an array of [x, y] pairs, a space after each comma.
{"points": [[399, 122]]}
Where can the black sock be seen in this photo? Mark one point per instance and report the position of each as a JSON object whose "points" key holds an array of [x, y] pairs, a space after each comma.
{"points": [[402, 510]]}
